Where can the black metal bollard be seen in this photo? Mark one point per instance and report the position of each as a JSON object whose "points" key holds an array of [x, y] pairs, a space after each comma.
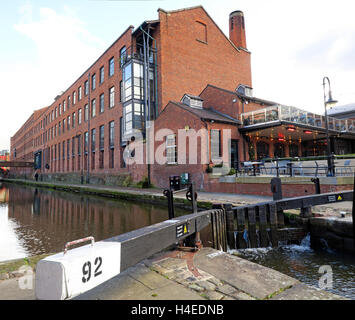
{"points": [[276, 188], [316, 184], [169, 194]]}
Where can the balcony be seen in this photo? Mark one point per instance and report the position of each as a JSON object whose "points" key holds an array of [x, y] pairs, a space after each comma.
{"points": [[294, 115]]}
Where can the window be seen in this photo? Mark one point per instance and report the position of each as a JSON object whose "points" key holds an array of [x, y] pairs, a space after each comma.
{"points": [[138, 81], [112, 134], [93, 140], [68, 102], [93, 108], [102, 102], [201, 32], [56, 112], [112, 97], [123, 55], [73, 146], [79, 145], [60, 112], [79, 116], [127, 78], [63, 125], [59, 128], [52, 117], [64, 107], [68, 122], [79, 93], [86, 87], [86, 141], [73, 120], [121, 91], [216, 144], [171, 149], [93, 82], [86, 112], [127, 116], [74, 97], [102, 74], [101, 137], [55, 131], [111, 67], [68, 150]]}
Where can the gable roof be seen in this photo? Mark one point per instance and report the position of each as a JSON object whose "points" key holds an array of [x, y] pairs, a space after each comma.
{"points": [[241, 96], [207, 114], [220, 30]]}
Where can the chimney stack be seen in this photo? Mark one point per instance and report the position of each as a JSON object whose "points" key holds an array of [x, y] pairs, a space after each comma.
{"points": [[237, 29]]}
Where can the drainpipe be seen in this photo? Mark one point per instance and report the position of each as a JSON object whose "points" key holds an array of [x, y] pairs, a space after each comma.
{"points": [[243, 135], [88, 159]]}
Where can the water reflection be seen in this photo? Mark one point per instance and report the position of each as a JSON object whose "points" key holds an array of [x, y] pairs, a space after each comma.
{"points": [[42, 221]]}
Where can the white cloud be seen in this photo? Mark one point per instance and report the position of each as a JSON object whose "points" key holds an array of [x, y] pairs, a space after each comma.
{"points": [[64, 50]]}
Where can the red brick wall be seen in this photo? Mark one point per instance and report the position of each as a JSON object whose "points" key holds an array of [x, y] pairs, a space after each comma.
{"points": [[104, 118], [188, 65], [288, 190], [182, 118]]}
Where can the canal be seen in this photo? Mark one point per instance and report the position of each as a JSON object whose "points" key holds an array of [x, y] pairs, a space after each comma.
{"points": [[303, 263], [35, 221]]}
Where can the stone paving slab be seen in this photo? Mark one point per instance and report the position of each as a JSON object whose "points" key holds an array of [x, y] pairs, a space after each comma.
{"points": [[10, 290], [303, 292], [251, 278], [140, 283]]}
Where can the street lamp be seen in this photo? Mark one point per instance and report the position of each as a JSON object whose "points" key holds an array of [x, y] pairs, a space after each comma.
{"points": [[328, 103]]}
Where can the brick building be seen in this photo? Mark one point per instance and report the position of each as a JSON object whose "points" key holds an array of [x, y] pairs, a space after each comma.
{"points": [[83, 133]]}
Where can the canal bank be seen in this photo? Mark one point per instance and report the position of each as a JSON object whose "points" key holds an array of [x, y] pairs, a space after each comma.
{"points": [[206, 275], [148, 195]]}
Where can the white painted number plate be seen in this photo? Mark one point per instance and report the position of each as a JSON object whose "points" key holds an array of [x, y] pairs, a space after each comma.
{"points": [[79, 270]]}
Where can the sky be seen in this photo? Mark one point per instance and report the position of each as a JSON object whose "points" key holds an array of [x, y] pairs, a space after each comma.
{"points": [[47, 44]]}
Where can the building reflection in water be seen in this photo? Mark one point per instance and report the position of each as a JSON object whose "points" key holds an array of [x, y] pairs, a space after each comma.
{"points": [[47, 219]]}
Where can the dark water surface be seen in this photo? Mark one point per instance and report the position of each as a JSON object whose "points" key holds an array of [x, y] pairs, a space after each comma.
{"points": [[35, 221], [303, 263]]}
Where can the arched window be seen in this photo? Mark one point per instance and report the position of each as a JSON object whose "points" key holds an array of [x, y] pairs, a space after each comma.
{"points": [[279, 150], [293, 150], [262, 150]]}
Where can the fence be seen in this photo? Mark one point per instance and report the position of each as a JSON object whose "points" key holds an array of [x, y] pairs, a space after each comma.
{"points": [[304, 166]]}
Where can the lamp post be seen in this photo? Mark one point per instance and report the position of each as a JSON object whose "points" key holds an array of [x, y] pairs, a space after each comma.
{"points": [[328, 103]]}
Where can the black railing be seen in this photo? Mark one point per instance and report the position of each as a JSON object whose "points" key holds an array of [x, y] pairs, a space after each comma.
{"points": [[299, 166]]}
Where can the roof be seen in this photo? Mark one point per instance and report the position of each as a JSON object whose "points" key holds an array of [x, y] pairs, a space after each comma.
{"points": [[241, 96], [208, 114], [347, 108], [192, 96]]}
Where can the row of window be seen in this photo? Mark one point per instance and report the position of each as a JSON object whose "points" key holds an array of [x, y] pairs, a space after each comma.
{"points": [[71, 120], [77, 94]]}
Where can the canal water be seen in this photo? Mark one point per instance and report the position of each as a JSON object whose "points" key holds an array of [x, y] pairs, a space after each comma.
{"points": [[35, 221], [303, 263]]}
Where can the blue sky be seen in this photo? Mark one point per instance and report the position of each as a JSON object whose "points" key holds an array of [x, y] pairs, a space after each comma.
{"points": [[47, 44]]}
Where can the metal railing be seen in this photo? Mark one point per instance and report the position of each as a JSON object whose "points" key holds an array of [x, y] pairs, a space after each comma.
{"points": [[297, 116], [299, 166]]}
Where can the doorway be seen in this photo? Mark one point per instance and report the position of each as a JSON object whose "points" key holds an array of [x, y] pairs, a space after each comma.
{"points": [[234, 158]]}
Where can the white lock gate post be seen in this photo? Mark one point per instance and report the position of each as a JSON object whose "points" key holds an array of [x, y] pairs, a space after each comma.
{"points": [[72, 272]]}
